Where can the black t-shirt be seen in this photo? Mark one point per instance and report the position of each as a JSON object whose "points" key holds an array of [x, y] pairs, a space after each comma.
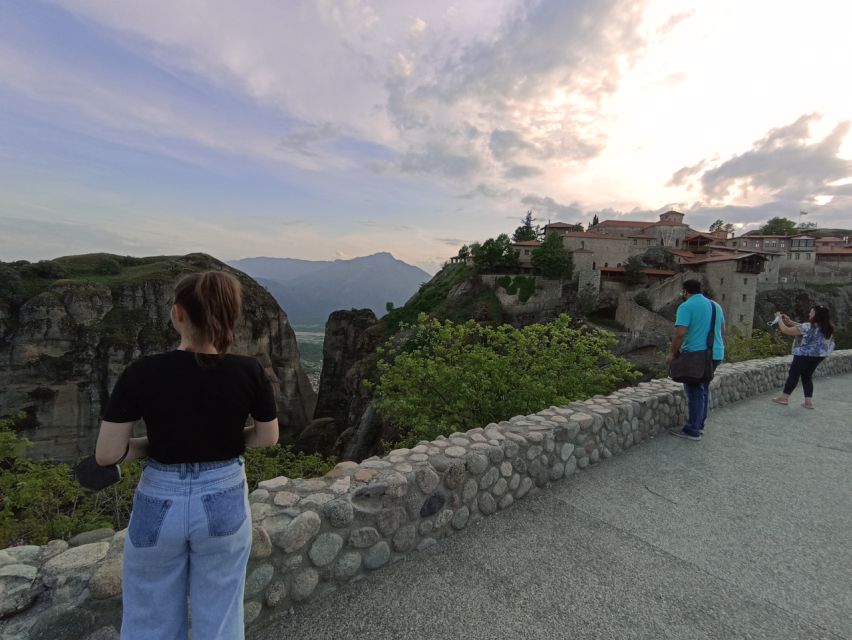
{"points": [[194, 406]]}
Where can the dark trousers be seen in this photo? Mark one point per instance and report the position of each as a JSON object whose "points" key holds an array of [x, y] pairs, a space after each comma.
{"points": [[803, 367]]}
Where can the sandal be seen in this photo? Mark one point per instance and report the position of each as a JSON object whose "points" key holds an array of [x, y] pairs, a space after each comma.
{"points": [[807, 406], [780, 401]]}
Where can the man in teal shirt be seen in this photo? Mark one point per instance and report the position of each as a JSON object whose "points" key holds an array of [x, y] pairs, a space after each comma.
{"points": [[692, 323]]}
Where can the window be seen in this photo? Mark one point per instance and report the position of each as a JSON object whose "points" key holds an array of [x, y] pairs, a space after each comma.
{"points": [[797, 255], [526, 252], [736, 244], [745, 280], [677, 242], [582, 244], [593, 265], [635, 241], [721, 281], [807, 256], [742, 318], [723, 297], [606, 264], [745, 297], [782, 244]]}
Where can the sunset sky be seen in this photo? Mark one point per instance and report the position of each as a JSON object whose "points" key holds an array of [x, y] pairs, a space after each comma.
{"points": [[335, 129]]}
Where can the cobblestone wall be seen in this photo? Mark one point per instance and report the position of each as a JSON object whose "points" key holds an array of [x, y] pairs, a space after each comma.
{"points": [[314, 536]]}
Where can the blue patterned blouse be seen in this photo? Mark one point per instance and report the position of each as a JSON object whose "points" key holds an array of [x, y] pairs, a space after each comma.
{"points": [[812, 342]]}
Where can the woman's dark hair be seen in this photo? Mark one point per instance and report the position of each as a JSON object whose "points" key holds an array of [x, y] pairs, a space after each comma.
{"points": [[212, 300], [822, 319]]}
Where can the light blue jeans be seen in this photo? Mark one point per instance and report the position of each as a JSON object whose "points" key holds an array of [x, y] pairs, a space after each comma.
{"points": [[186, 552]]}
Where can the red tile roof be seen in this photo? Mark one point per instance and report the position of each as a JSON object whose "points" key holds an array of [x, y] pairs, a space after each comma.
{"points": [[592, 235], [559, 225], [623, 223], [527, 243], [840, 251]]}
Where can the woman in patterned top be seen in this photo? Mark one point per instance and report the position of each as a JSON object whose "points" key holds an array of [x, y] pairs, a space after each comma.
{"points": [[814, 342]]}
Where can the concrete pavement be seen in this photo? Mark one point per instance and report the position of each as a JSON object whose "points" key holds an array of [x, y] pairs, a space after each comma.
{"points": [[746, 534]]}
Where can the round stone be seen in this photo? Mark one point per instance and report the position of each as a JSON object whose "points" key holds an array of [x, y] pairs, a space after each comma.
{"points": [[506, 469], [364, 537], [524, 488], [427, 479], [348, 565], [261, 545], [304, 583], [460, 518], [276, 594], [495, 455], [433, 504], [377, 555], [299, 532], [405, 538], [418, 457], [514, 482], [440, 462], [477, 462], [566, 451], [471, 488], [257, 580], [455, 452], [338, 513], [500, 487], [487, 505], [557, 471], [489, 478], [506, 501], [425, 543], [443, 518], [455, 474], [325, 549], [426, 527], [388, 520]]}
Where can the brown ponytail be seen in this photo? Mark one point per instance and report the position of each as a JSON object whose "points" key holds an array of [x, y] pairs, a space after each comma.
{"points": [[212, 300]]}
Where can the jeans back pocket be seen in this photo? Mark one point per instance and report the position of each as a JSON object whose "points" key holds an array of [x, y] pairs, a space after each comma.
{"points": [[146, 519], [226, 510]]}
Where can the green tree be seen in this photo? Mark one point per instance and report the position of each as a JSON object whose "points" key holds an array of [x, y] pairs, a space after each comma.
{"points": [[633, 271], [448, 377], [551, 259], [595, 220], [718, 225], [464, 252], [495, 255], [527, 230], [779, 227], [761, 344]]}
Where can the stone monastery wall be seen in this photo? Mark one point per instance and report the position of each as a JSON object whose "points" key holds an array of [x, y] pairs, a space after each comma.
{"points": [[314, 536]]}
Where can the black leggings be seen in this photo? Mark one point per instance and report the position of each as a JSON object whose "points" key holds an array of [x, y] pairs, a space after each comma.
{"points": [[803, 366]]}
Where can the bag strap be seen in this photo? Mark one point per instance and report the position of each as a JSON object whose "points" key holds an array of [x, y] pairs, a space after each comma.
{"points": [[711, 334]]}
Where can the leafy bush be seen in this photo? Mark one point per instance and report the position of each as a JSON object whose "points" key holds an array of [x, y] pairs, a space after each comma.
{"points": [[551, 259], [520, 285], [41, 501], [761, 344], [447, 377]]}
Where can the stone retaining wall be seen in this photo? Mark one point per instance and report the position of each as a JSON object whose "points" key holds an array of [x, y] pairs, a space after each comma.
{"points": [[314, 536]]}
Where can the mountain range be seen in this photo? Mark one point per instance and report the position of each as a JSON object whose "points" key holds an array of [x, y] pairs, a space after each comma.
{"points": [[309, 290]]}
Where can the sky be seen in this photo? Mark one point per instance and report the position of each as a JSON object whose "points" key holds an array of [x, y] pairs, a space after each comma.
{"points": [[333, 129]]}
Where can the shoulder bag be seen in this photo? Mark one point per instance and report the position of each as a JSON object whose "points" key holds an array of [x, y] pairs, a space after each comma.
{"points": [[695, 367]]}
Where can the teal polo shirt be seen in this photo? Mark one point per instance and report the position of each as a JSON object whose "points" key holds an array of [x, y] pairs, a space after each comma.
{"points": [[695, 314]]}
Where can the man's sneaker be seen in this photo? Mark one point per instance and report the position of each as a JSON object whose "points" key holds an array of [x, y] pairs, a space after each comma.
{"points": [[680, 433]]}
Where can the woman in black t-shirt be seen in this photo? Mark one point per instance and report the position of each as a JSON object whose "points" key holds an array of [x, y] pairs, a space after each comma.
{"points": [[189, 535]]}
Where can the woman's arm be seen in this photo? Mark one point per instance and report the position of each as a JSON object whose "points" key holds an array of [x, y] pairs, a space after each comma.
{"points": [[261, 434], [789, 328], [113, 441]]}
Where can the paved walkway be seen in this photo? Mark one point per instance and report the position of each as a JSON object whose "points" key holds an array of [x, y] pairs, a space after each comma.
{"points": [[746, 534]]}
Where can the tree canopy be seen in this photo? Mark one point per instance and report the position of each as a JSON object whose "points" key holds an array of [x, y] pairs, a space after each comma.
{"points": [[495, 255], [633, 270], [718, 225], [779, 227], [450, 377], [551, 259], [527, 230]]}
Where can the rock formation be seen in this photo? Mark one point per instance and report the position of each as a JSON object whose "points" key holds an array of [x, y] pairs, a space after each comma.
{"points": [[64, 341]]}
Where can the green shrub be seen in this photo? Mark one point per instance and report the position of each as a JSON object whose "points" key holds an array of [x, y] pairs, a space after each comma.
{"points": [[448, 377], [761, 344], [41, 500], [522, 286]]}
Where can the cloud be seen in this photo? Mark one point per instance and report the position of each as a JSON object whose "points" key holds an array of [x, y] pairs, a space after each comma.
{"points": [[549, 207], [453, 242], [783, 165], [521, 171], [491, 191], [671, 24]]}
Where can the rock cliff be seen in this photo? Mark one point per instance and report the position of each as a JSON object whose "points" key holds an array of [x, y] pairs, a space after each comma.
{"points": [[69, 326]]}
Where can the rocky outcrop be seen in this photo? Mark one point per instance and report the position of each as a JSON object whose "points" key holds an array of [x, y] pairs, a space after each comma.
{"points": [[62, 349], [352, 338]]}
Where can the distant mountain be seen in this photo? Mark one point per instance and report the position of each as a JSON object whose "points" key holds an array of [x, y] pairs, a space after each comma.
{"points": [[309, 291]]}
